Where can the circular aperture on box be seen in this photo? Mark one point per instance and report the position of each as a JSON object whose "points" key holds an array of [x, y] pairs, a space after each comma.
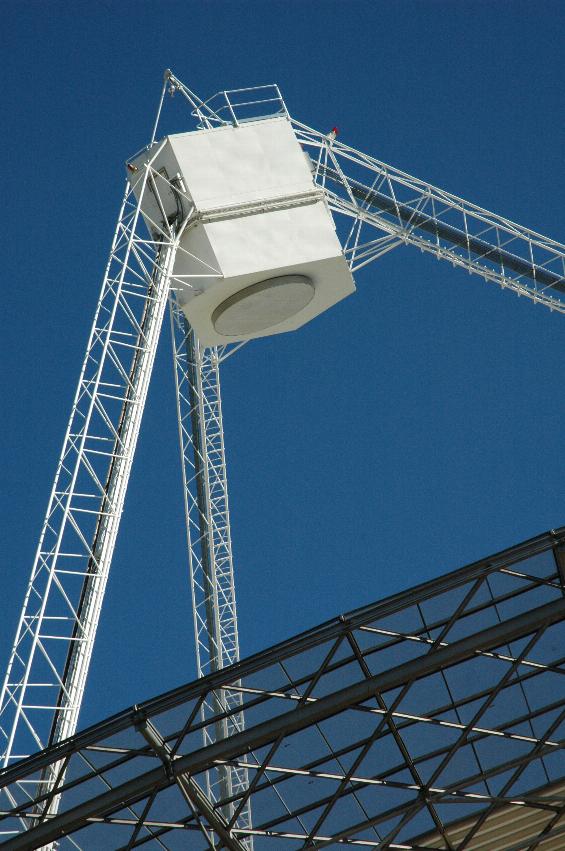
{"points": [[262, 305]]}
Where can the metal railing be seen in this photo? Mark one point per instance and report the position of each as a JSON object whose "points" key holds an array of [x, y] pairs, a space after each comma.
{"points": [[236, 106]]}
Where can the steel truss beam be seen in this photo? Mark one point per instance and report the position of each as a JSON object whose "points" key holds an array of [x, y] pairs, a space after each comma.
{"points": [[373, 195], [398, 778]]}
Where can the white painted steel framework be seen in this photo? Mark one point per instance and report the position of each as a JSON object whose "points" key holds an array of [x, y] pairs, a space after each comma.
{"points": [[201, 435], [44, 683], [199, 406], [372, 195], [45, 679]]}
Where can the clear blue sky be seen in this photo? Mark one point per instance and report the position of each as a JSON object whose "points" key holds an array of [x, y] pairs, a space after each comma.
{"points": [[414, 428]]}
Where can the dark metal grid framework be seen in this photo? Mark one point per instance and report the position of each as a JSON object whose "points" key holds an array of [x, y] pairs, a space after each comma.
{"points": [[431, 720]]}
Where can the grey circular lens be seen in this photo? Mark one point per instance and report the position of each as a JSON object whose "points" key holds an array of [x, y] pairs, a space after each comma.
{"points": [[262, 305]]}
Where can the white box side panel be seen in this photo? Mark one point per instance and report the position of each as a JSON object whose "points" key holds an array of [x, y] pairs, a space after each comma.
{"points": [[196, 267], [151, 208], [232, 165], [271, 240], [259, 243]]}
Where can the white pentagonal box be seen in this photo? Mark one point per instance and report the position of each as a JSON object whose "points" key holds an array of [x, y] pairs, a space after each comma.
{"points": [[260, 254]]}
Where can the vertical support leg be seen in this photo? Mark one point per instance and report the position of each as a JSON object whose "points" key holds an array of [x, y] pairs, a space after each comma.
{"points": [[45, 680], [199, 408]]}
